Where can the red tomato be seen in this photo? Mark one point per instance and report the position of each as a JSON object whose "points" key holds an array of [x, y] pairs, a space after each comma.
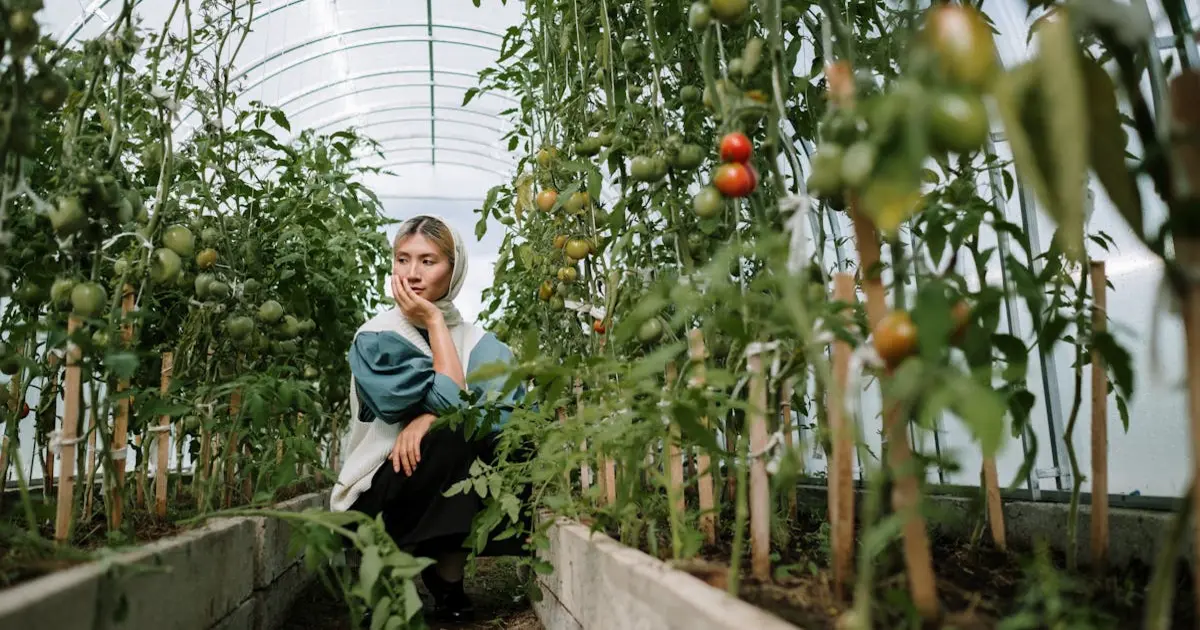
{"points": [[24, 409], [736, 147], [735, 180], [598, 326]]}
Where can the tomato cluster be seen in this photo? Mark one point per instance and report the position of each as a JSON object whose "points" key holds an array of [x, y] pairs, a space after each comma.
{"points": [[868, 135], [736, 177]]}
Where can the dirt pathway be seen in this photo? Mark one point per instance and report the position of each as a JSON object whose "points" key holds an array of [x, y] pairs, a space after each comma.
{"points": [[495, 589]]}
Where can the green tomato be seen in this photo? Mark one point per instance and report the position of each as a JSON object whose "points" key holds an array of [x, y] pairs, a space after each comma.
{"points": [[88, 299], [165, 266], [239, 327], [730, 11], [689, 156], [708, 203], [699, 16], [857, 164], [179, 239], [270, 312]]}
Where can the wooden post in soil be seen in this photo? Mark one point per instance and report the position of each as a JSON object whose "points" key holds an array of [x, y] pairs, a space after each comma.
{"points": [[235, 408], [674, 454], [90, 484], [162, 468], [906, 493], [585, 477], [121, 423], [841, 463], [71, 412], [1099, 421], [1184, 93], [785, 410], [698, 380], [142, 468], [760, 499], [995, 507], [52, 389]]}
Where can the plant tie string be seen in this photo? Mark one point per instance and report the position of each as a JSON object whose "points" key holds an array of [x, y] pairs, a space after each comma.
{"points": [[797, 228], [57, 442]]}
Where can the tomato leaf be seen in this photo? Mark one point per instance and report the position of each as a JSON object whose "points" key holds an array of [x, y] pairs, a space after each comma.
{"points": [[1062, 88], [1106, 139], [1119, 362], [981, 410], [280, 119], [471, 93], [368, 571]]}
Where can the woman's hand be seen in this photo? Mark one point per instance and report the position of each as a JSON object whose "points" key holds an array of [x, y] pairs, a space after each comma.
{"points": [[416, 308], [406, 452]]}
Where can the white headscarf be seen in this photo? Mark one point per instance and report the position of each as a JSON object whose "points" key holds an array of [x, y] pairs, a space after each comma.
{"points": [[458, 275]]}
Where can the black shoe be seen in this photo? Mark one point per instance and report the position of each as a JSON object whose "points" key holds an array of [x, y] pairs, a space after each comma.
{"points": [[450, 602]]}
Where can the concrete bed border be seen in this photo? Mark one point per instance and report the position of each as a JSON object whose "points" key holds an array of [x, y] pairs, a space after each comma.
{"points": [[231, 574], [598, 583]]}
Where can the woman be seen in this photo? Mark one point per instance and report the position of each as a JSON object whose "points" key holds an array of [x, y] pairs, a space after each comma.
{"points": [[408, 367]]}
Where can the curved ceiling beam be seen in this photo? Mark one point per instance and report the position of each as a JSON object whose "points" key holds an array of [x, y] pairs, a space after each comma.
{"points": [[372, 75], [454, 26], [375, 123], [395, 163], [374, 88], [427, 136], [427, 147], [299, 62], [412, 39]]}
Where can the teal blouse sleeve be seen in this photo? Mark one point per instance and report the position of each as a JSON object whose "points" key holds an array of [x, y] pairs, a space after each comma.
{"points": [[396, 381], [490, 351]]}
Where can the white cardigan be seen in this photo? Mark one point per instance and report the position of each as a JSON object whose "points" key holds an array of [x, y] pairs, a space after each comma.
{"points": [[370, 443]]}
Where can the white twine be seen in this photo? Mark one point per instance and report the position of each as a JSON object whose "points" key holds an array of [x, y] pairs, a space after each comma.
{"points": [[137, 236], [797, 227], [161, 428], [119, 454], [757, 348], [57, 442], [821, 335]]}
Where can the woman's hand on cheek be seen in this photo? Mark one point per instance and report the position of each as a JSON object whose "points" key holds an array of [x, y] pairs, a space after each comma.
{"points": [[416, 308]]}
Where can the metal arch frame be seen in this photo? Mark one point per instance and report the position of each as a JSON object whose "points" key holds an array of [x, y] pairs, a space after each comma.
{"points": [[410, 39], [426, 136], [395, 163], [371, 75], [387, 150], [286, 5], [375, 123], [373, 88]]}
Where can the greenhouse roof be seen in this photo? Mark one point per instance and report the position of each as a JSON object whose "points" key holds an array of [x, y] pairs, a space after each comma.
{"points": [[398, 70]]}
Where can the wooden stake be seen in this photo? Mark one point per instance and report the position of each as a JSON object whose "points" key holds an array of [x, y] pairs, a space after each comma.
{"points": [[907, 491], [1099, 421], [120, 437], [788, 441], [71, 411], [235, 408], [93, 419], [162, 468], [1191, 324], [10, 429], [995, 507], [674, 455], [699, 376], [760, 508], [585, 477], [841, 463]]}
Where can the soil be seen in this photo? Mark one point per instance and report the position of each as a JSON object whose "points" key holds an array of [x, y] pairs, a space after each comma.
{"points": [[496, 590], [979, 586]]}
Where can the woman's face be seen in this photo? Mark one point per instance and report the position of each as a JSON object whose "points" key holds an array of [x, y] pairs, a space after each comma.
{"points": [[427, 271]]}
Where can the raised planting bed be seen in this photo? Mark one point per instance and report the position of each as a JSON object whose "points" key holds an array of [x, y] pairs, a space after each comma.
{"points": [[599, 583], [230, 574]]}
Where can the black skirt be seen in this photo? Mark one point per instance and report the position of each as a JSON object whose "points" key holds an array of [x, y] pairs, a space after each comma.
{"points": [[417, 514]]}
